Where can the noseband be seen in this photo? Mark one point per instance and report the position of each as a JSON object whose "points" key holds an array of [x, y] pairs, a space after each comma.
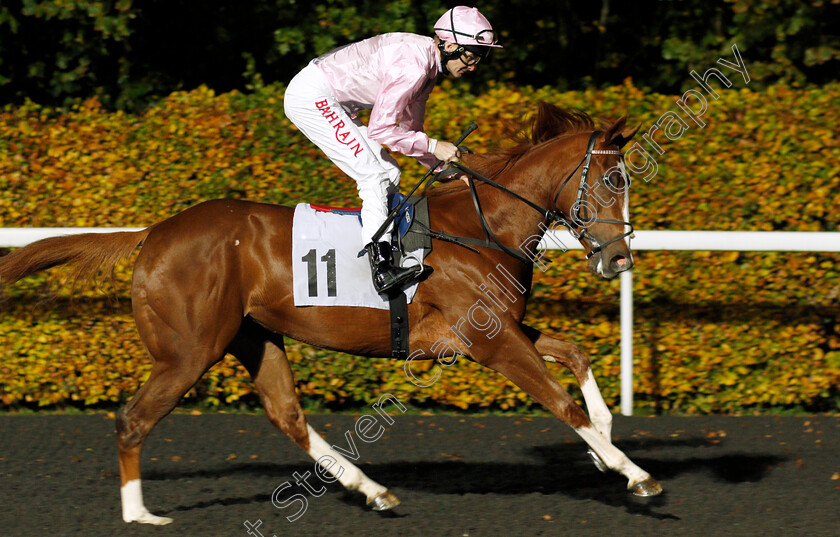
{"points": [[550, 215]]}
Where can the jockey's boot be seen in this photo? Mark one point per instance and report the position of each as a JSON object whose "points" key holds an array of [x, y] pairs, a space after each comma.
{"points": [[386, 275]]}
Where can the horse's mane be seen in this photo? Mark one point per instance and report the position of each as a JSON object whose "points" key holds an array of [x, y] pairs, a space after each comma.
{"points": [[550, 122]]}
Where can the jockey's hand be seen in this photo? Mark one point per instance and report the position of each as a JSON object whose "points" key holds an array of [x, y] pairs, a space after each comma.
{"points": [[447, 152]]}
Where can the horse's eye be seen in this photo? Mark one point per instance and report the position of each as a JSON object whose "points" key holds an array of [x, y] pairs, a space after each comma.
{"points": [[615, 180]]}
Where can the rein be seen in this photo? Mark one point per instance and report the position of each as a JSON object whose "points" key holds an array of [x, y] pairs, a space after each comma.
{"points": [[550, 216]]}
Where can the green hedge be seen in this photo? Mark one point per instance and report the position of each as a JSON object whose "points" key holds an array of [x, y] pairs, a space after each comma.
{"points": [[714, 332]]}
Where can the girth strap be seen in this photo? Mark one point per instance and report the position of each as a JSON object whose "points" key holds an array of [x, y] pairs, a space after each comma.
{"points": [[399, 325]]}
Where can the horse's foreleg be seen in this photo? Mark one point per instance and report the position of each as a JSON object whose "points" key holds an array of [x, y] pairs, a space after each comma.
{"points": [[269, 367], [520, 362], [576, 361]]}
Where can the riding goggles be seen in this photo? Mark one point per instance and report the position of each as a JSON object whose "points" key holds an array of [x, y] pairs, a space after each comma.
{"points": [[484, 37], [469, 57]]}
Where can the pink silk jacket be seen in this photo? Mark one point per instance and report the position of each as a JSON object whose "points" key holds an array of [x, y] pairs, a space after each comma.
{"points": [[392, 75]]}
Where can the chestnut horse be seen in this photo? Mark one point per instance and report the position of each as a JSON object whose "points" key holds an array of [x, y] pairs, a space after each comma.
{"points": [[217, 279]]}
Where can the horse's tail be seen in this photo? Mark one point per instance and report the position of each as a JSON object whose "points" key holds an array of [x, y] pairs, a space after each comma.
{"points": [[87, 252]]}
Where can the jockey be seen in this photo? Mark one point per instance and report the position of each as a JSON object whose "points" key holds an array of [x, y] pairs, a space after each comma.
{"points": [[392, 75]]}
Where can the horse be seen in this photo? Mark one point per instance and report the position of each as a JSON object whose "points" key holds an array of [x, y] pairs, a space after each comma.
{"points": [[217, 279]]}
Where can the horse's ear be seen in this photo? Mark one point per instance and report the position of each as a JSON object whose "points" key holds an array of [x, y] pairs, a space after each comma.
{"points": [[618, 134]]}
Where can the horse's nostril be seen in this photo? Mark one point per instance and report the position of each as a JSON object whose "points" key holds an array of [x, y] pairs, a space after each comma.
{"points": [[620, 263]]}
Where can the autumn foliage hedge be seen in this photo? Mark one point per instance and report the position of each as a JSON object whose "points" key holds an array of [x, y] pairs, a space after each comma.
{"points": [[714, 332]]}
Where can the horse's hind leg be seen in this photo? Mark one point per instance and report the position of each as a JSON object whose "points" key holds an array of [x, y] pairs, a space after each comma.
{"points": [[576, 361], [157, 397], [185, 339], [265, 358]]}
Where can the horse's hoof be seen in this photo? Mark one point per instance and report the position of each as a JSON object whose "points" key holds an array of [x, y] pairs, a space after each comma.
{"points": [[596, 460], [384, 501], [648, 487], [148, 518]]}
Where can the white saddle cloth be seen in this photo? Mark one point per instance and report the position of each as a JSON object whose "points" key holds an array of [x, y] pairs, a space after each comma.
{"points": [[326, 269]]}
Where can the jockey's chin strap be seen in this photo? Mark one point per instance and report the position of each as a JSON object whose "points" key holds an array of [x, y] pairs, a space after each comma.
{"points": [[550, 215]]}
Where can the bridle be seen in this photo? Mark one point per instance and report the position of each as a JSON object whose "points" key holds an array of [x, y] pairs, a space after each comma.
{"points": [[580, 200], [550, 215]]}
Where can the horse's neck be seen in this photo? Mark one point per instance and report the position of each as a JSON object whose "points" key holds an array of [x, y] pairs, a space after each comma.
{"points": [[510, 217]]}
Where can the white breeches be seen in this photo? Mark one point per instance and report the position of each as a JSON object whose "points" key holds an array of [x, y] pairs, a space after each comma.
{"points": [[310, 104]]}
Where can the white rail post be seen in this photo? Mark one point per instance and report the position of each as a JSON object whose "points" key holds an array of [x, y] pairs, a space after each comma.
{"points": [[627, 343]]}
